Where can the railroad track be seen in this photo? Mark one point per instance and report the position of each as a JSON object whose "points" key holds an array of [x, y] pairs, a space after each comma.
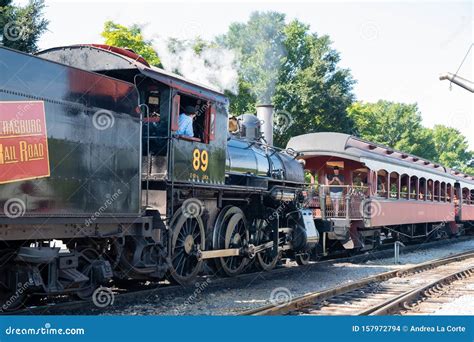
{"points": [[122, 296], [392, 292], [436, 298]]}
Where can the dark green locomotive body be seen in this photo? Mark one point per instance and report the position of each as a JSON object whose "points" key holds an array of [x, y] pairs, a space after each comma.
{"points": [[92, 141]]}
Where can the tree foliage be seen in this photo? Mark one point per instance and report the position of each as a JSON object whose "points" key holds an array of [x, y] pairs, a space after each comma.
{"points": [[312, 90], [260, 49], [130, 38], [22, 26], [452, 148], [399, 126], [294, 69]]}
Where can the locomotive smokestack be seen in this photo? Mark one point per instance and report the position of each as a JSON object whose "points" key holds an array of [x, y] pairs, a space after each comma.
{"points": [[265, 115]]}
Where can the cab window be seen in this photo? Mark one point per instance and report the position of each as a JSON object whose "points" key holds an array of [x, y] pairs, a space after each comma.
{"points": [[203, 118]]}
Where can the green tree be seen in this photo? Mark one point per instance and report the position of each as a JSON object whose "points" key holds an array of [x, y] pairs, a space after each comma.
{"points": [[295, 70], [22, 26], [130, 38], [260, 50], [469, 168], [397, 125], [313, 92], [452, 148]]}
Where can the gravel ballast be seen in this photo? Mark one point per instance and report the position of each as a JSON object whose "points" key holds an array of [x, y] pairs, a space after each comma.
{"points": [[263, 288]]}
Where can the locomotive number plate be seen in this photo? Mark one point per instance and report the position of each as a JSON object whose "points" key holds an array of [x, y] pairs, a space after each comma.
{"points": [[200, 160], [23, 141]]}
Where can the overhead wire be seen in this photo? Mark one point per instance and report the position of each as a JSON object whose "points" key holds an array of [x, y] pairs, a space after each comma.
{"points": [[462, 62]]}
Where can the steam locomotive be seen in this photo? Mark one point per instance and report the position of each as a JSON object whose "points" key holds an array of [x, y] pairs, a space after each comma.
{"points": [[96, 185], [90, 157]]}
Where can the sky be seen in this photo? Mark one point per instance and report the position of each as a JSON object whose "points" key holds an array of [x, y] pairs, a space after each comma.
{"points": [[395, 50]]}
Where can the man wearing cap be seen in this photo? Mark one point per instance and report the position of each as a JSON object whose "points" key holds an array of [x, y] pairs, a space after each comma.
{"points": [[186, 122]]}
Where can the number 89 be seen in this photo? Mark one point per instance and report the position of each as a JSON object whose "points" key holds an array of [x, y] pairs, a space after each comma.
{"points": [[200, 159]]}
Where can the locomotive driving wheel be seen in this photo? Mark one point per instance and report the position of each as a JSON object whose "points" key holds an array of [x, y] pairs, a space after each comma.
{"points": [[187, 239], [266, 259], [232, 232]]}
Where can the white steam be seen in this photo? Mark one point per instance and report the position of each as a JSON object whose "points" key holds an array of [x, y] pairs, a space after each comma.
{"points": [[209, 65]]}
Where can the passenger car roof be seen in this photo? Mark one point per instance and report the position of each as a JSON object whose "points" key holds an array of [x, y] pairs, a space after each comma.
{"points": [[375, 156]]}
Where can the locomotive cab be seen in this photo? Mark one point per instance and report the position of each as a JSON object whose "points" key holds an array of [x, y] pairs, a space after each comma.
{"points": [[167, 156], [173, 158]]}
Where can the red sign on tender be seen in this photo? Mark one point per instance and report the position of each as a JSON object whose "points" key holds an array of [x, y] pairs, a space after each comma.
{"points": [[23, 141]]}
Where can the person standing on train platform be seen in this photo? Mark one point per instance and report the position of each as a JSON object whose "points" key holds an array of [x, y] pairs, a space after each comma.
{"points": [[336, 189]]}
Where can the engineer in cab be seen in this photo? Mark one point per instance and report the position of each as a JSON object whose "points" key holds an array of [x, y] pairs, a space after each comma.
{"points": [[185, 123]]}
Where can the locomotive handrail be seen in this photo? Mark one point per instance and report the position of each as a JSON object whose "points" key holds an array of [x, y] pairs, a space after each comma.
{"points": [[275, 149], [350, 188]]}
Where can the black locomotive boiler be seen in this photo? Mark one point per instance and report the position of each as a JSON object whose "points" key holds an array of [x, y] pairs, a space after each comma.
{"points": [[90, 156]]}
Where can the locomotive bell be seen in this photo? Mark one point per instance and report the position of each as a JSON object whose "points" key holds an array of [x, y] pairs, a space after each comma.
{"points": [[265, 115]]}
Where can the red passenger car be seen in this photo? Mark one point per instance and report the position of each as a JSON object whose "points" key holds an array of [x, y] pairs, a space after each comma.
{"points": [[362, 192]]}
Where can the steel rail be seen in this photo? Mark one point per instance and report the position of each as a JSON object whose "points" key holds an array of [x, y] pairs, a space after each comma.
{"points": [[316, 297], [394, 304]]}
